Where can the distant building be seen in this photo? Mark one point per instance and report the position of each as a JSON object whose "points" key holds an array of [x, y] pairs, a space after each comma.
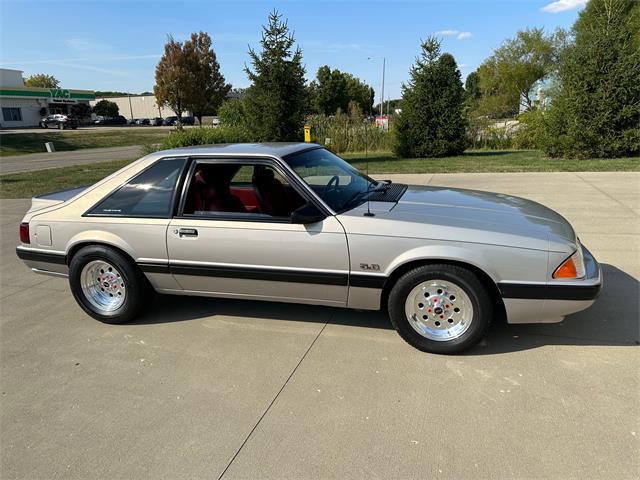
{"points": [[25, 106], [539, 93], [139, 106]]}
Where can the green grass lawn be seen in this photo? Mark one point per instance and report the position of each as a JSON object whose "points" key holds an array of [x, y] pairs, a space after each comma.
{"points": [[22, 185], [23, 143], [487, 161], [30, 184]]}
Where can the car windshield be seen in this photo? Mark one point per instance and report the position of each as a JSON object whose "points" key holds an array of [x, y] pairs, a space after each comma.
{"points": [[340, 185]]}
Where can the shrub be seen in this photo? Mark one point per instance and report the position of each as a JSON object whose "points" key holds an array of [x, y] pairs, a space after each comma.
{"points": [[206, 136], [485, 133], [344, 133], [231, 113], [530, 134]]}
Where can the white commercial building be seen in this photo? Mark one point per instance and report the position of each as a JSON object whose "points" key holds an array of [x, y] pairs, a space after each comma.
{"points": [[139, 106], [25, 106]]}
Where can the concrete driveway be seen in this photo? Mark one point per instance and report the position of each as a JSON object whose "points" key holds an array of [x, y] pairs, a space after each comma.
{"points": [[204, 388]]}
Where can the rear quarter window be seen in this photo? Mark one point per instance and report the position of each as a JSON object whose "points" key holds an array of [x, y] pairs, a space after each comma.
{"points": [[149, 194]]}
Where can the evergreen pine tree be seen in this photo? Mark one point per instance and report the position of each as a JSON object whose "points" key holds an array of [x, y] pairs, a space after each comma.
{"points": [[275, 102], [596, 112], [431, 123]]}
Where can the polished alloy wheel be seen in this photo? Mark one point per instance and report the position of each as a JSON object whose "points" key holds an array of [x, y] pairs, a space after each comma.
{"points": [[439, 310], [103, 286]]}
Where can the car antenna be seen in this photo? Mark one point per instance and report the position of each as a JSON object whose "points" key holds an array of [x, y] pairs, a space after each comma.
{"points": [[366, 156]]}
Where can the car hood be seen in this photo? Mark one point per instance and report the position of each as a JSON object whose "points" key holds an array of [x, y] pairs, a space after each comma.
{"points": [[465, 215]]}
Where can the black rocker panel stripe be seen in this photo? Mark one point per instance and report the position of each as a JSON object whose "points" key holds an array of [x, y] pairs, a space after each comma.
{"points": [[549, 292], [364, 280], [45, 257], [507, 289], [294, 276]]}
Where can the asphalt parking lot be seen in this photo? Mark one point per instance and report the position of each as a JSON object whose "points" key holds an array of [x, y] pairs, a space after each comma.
{"points": [[85, 129], [203, 388]]}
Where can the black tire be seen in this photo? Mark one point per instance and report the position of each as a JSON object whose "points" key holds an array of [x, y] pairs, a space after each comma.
{"points": [[138, 289], [464, 279], [43, 125]]}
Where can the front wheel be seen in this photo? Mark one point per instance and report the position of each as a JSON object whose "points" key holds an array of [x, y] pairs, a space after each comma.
{"points": [[43, 125], [107, 285], [440, 308]]}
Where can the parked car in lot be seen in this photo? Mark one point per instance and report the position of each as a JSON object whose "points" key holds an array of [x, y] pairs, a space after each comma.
{"points": [[117, 120], [142, 121], [155, 122], [59, 121], [170, 121], [293, 222]]}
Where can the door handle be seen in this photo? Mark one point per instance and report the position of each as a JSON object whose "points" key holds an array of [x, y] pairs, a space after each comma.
{"points": [[188, 232]]}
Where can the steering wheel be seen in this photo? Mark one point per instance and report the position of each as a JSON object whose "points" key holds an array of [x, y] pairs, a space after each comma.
{"points": [[333, 184]]}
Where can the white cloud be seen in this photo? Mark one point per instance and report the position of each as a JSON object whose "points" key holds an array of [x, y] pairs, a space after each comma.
{"points": [[457, 33], [448, 33], [85, 45], [563, 5], [95, 58]]}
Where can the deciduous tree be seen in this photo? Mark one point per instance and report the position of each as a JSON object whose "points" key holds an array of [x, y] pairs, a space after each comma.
{"points": [[205, 88], [105, 108], [172, 74], [42, 80], [507, 77], [333, 90]]}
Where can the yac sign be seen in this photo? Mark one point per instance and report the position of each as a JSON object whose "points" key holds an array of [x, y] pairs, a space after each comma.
{"points": [[59, 93]]}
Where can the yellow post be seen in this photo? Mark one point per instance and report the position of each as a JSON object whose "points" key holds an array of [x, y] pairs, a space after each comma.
{"points": [[307, 133]]}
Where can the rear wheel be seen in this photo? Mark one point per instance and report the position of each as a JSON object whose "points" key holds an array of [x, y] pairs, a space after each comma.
{"points": [[43, 125], [440, 308], [107, 285]]}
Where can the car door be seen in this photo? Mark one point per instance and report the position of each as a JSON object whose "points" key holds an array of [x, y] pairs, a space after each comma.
{"points": [[231, 247]]}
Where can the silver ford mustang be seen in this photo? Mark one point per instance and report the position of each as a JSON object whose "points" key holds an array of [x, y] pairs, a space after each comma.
{"points": [[292, 222]]}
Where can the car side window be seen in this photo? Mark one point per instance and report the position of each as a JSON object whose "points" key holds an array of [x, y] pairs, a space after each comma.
{"points": [[149, 194], [242, 191]]}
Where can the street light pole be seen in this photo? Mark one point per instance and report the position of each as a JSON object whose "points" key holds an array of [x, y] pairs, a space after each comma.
{"points": [[382, 95], [384, 60]]}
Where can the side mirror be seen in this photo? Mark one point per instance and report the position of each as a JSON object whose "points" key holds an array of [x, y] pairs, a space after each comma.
{"points": [[308, 213]]}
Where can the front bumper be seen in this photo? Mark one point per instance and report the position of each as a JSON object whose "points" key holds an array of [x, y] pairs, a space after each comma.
{"points": [[550, 302], [587, 288]]}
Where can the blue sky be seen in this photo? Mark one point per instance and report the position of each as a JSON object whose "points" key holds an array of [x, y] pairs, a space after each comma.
{"points": [[115, 45]]}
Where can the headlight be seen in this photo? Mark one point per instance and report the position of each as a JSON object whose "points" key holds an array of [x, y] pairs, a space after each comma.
{"points": [[572, 267]]}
